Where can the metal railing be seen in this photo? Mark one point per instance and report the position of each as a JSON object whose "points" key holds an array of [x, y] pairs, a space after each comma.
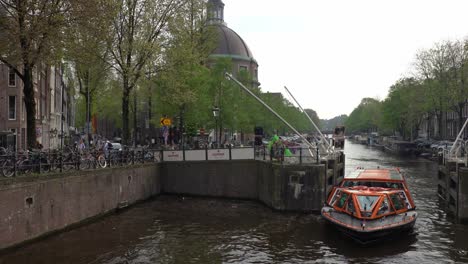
{"points": [[295, 155], [39, 162]]}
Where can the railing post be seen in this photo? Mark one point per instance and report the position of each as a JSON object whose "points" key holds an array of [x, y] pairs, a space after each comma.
{"points": [[318, 155], [206, 152], [300, 156], [230, 152], [162, 155], [264, 152], [61, 160], [133, 157], [15, 158], [183, 152], [78, 160], [40, 163]]}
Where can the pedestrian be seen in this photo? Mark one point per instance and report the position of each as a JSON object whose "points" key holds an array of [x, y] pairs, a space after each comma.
{"points": [[107, 149], [165, 133], [81, 146]]}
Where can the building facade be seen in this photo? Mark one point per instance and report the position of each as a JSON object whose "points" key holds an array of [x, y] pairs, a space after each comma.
{"points": [[446, 127], [51, 97]]}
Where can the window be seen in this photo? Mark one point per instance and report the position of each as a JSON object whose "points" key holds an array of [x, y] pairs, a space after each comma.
{"points": [[367, 203], [242, 68], [11, 77], [12, 108], [397, 201], [384, 207], [340, 203], [350, 206]]}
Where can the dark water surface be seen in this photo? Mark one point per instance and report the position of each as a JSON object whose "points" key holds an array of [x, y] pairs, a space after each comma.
{"points": [[171, 229]]}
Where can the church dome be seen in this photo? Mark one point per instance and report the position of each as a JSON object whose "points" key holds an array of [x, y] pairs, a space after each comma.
{"points": [[230, 43]]}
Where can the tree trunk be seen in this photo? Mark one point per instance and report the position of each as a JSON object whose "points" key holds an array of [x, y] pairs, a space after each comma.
{"points": [[30, 105], [125, 112]]}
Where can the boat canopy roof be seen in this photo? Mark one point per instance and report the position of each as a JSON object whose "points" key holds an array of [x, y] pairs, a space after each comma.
{"points": [[370, 202], [375, 174]]}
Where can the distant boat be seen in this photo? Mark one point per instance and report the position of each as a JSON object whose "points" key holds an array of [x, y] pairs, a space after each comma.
{"points": [[371, 204], [401, 147]]}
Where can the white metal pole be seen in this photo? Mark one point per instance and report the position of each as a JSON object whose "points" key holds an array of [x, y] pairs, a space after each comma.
{"points": [[273, 111], [458, 137], [310, 119]]}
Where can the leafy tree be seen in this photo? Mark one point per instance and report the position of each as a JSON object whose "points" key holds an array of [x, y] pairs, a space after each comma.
{"points": [[366, 117], [136, 38], [185, 78], [31, 35], [86, 48], [432, 66], [330, 124], [404, 108]]}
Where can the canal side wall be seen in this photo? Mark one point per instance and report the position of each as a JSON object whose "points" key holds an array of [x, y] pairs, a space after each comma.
{"points": [[31, 207], [285, 187], [42, 206], [463, 195], [292, 187], [452, 187], [229, 179]]}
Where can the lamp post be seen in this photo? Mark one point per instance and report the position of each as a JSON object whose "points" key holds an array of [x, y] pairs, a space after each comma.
{"points": [[216, 115]]}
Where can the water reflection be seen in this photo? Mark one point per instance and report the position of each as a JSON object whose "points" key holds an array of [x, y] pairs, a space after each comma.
{"points": [[170, 229]]}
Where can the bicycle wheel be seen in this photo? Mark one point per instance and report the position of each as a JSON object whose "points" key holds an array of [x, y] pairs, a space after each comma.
{"points": [[8, 168], [101, 161], [25, 166], [85, 164]]}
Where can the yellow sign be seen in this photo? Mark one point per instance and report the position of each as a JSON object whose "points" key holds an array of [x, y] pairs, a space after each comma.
{"points": [[165, 121]]}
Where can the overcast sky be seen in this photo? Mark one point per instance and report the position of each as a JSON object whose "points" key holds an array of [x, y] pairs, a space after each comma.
{"points": [[333, 53]]}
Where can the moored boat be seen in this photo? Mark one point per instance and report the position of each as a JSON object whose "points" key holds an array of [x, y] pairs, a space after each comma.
{"points": [[370, 205]]}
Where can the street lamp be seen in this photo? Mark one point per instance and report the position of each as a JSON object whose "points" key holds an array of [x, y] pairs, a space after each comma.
{"points": [[216, 115]]}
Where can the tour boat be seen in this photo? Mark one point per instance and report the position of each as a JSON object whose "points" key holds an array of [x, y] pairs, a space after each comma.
{"points": [[371, 204]]}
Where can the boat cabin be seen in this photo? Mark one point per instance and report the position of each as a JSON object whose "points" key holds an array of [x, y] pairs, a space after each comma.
{"points": [[370, 202], [384, 178]]}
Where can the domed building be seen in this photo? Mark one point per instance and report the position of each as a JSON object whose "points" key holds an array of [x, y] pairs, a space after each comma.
{"points": [[230, 44]]}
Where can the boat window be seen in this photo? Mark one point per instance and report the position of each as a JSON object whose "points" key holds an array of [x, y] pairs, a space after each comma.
{"points": [[384, 207], [395, 185], [336, 195], [340, 203], [350, 206], [397, 201], [405, 200], [366, 203]]}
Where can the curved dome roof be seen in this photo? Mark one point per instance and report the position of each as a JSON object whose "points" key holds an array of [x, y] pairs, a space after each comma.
{"points": [[231, 44]]}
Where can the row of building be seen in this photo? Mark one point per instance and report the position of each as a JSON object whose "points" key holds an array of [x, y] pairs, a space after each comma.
{"points": [[446, 127], [55, 115]]}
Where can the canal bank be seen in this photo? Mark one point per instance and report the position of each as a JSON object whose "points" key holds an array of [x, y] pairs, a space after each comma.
{"points": [[31, 209], [170, 229]]}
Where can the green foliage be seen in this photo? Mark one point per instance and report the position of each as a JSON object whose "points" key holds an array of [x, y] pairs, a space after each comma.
{"points": [[330, 124], [366, 117]]}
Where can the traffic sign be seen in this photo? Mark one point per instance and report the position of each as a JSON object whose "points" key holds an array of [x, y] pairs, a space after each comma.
{"points": [[165, 121]]}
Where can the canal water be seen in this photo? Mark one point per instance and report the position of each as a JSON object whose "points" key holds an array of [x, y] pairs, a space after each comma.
{"points": [[172, 229]]}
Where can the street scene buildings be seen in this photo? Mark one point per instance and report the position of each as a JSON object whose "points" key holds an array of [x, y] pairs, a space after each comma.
{"points": [[52, 97]]}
